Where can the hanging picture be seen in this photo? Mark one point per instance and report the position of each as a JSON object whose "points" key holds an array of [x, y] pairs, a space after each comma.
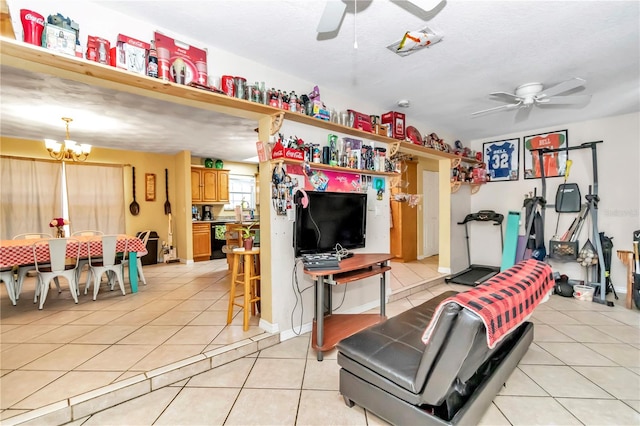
{"points": [[554, 163], [501, 158]]}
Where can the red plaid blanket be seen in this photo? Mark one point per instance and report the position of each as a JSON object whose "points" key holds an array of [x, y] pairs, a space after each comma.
{"points": [[504, 301]]}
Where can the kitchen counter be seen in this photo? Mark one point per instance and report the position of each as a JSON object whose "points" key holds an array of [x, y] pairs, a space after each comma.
{"points": [[230, 220]]}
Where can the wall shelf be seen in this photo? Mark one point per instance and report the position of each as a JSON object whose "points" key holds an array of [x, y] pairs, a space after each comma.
{"points": [[423, 151], [455, 186], [321, 166], [38, 59]]}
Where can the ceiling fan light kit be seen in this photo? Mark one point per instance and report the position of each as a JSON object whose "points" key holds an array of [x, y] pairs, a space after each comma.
{"points": [[535, 94]]}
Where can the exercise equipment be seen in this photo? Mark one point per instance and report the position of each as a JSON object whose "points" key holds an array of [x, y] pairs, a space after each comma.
{"points": [[510, 241], [592, 199], [636, 275], [533, 243], [477, 274]]}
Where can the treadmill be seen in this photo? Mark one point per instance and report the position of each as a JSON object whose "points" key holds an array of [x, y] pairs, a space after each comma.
{"points": [[477, 274]]}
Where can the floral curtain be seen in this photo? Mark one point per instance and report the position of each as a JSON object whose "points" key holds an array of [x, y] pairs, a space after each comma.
{"points": [[30, 195]]}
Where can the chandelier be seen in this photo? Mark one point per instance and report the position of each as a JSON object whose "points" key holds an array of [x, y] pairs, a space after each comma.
{"points": [[67, 150]]}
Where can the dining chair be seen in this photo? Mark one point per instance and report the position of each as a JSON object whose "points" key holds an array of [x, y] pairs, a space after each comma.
{"points": [[23, 270], [60, 249], [7, 276], [144, 236], [84, 262], [106, 263]]}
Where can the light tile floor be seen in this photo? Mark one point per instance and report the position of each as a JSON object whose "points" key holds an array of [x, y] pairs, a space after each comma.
{"points": [[67, 349], [583, 367]]}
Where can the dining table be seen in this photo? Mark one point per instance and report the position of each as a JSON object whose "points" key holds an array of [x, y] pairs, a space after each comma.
{"points": [[21, 252]]}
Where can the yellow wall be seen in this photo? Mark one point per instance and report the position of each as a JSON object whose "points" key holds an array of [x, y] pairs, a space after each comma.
{"points": [[151, 212]]}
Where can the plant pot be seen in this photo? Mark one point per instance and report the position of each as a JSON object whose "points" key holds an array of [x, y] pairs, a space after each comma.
{"points": [[248, 244]]}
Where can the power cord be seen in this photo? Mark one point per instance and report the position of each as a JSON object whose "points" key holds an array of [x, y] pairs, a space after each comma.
{"points": [[298, 293], [341, 252]]}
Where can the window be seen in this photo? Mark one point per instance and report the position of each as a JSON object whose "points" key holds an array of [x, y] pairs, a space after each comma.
{"points": [[90, 196], [242, 192]]}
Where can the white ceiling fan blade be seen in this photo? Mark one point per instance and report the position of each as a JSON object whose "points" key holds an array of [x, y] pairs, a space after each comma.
{"points": [[523, 114], [331, 16], [505, 95], [426, 5], [566, 100], [565, 86], [498, 108]]}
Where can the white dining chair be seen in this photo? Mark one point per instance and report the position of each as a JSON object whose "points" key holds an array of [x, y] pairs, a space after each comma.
{"points": [[23, 270], [60, 249], [7, 276], [144, 236], [106, 264], [85, 262]]}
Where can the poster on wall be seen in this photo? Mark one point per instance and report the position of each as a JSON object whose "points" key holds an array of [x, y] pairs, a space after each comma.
{"points": [[501, 158], [554, 163]]}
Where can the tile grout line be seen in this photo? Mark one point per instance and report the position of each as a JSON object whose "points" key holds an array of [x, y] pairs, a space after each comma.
{"points": [[96, 395]]}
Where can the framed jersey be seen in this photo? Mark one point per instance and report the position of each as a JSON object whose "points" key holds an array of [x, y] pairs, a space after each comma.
{"points": [[554, 163], [501, 158]]}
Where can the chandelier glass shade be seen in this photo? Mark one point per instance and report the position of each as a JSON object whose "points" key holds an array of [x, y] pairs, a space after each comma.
{"points": [[68, 149]]}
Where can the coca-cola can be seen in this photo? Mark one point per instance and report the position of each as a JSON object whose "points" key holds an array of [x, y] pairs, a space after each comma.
{"points": [[227, 85]]}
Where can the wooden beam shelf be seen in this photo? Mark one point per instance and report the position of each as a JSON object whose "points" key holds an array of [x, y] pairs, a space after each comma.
{"points": [[28, 57], [423, 151]]}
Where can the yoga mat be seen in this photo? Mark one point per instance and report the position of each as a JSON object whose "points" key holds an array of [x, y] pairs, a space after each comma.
{"points": [[510, 241]]}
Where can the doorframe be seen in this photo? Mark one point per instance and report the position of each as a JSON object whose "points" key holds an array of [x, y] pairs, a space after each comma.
{"points": [[429, 192]]}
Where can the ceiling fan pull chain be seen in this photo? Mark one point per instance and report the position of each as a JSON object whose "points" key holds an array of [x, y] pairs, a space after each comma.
{"points": [[355, 24]]}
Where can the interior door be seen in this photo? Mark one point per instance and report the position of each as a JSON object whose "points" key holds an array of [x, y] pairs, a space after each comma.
{"points": [[431, 215]]}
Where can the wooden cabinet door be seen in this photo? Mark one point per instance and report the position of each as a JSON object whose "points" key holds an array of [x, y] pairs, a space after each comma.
{"points": [[404, 233], [201, 241], [196, 186], [223, 185], [209, 185]]}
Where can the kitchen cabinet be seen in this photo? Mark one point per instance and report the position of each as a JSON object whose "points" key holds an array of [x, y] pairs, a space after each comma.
{"points": [[201, 241], [223, 185], [404, 218], [209, 185]]}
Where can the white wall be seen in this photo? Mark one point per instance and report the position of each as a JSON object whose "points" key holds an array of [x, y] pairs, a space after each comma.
{"points": [[619, 191]]}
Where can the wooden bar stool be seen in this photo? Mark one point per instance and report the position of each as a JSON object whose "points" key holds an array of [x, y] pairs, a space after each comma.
{"points": [[245, 272]]}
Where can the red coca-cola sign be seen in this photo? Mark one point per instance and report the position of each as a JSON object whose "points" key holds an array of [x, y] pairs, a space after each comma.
{"points": [[32, 16]]}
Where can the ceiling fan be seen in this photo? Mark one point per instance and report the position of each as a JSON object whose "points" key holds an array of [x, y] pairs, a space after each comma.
{"points": [[531, 94], [334, 12]]}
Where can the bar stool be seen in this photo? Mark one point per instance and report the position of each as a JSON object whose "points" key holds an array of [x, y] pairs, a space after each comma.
{"points": [[245, 272]]}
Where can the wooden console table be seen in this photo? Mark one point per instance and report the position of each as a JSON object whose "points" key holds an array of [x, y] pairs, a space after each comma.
{"points": [[329, 329]]}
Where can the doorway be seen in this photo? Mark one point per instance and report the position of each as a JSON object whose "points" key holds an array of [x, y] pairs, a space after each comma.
{"points": [[431, 213]]}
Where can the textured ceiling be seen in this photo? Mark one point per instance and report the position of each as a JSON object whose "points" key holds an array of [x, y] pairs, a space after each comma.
{"points": [[488, 46]]}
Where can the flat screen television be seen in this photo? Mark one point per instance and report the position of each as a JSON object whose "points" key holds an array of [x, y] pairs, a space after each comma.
{"points": [[330, 218]]}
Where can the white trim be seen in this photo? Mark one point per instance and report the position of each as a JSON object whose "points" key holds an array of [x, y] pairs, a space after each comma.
{"points": [[290, 334], [268, 327], [444, 270]]}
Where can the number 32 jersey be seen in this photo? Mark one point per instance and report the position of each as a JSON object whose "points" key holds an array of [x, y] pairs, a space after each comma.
{"points": [[498, 159]]}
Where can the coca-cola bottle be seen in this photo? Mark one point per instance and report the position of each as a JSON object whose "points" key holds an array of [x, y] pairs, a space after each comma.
{"points": [[152, 61]]}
